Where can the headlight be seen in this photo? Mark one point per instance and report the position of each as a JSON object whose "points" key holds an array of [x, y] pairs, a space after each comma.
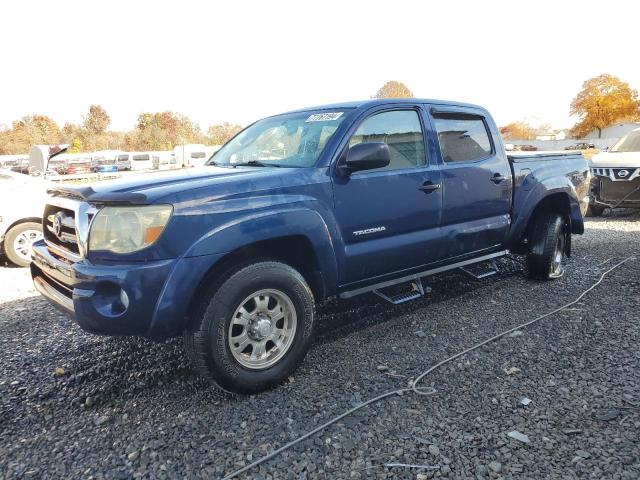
{"points": [[128, 229]]}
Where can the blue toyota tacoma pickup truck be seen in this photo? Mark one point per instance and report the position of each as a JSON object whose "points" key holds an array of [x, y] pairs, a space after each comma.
{"points": [[335, 200]]}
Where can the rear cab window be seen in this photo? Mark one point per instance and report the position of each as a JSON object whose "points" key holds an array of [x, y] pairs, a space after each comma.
{"points": [[462, 138]]}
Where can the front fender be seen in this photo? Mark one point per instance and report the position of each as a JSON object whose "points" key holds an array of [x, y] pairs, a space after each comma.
{"points": [[255, 227]]}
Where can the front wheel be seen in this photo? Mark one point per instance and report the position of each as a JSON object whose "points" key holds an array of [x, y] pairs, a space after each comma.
{"points": [[254, 328], [18, 241], [548, 244]]}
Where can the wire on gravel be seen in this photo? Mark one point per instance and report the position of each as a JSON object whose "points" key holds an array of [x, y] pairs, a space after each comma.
{"points": [[421, 390]]}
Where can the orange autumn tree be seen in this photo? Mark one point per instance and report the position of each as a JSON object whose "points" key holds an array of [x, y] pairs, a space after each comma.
{"points": [[394, 89], [603, 100]]}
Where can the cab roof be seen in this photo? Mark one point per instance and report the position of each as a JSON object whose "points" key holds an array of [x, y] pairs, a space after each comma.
{"points": [[385, 101]]}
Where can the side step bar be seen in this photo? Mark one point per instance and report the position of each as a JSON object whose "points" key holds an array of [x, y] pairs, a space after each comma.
{"points": [[417, 291], [417, 276], [473, 273]]}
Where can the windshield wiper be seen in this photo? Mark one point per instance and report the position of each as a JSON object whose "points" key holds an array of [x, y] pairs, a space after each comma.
{"points": [[255, 163]]}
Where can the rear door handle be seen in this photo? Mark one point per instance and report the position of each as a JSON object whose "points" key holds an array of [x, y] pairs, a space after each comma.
{"points": [[428, 187], [497, 178]]}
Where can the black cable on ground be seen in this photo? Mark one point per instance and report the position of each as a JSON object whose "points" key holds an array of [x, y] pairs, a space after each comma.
{"points": [[414, 388]]}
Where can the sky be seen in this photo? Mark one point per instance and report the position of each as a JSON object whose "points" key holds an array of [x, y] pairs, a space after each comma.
{"points": [[240, 60]]}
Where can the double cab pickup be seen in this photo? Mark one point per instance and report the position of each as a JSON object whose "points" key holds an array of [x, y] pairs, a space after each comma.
{"points": [[329, 201]]}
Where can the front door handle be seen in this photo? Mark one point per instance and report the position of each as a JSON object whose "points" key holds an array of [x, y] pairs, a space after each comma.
{"points": [[428, 187], [497, 178]]}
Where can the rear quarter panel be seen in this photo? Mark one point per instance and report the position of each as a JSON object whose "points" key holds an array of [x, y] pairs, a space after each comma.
{"points": [[539, 176]]}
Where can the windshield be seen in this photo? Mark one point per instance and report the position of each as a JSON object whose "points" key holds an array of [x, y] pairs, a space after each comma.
{"points": [[630, 143], [291, 140]]}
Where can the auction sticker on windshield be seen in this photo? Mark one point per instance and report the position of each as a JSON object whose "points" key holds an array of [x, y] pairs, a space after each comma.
{"points": [[323, 117]]}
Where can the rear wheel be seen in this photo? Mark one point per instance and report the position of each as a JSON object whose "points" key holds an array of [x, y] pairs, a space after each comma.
{"points": [[253, 329], [18, 241], [547, 247]]}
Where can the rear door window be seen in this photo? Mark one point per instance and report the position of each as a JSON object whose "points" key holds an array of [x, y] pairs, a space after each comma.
{"points": [[462, 139]]}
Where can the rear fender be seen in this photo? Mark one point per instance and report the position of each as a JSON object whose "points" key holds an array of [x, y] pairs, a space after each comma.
{"points": [[562, 197]]}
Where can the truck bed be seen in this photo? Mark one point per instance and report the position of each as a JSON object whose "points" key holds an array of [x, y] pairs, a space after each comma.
{"points": [[550, 155], [538, 174]]}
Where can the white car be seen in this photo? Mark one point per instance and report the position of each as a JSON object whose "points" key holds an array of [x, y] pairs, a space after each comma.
{"points": [[616, 175], [22, 201]]}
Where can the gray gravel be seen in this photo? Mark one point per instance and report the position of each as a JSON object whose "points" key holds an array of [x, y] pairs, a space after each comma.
{"points": [[75, 405]]}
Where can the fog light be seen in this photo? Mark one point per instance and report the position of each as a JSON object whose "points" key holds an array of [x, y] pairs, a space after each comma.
{"points": [[110, 300], [124, 299]]}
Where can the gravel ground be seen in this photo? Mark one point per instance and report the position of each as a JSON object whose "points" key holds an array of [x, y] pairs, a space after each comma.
{"points": [[75, 405]]}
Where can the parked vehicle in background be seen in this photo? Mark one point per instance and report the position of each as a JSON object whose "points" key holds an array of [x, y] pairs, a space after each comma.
{"points": [[164, 160], [104, 161], [581, 146], [141, 161], [10, 161], [338, 200], [616, 175], [193, 155], [123, 162], [59, 165], [22, 200], [108, 167], [21, 166], [524, 148], [79, 165]]}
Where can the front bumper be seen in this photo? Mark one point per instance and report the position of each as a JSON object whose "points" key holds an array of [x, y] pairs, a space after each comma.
{"points": [[156, 299], [111, 299], [610, 193]]}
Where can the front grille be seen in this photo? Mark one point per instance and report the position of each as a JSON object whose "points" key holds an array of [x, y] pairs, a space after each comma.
{"points": [[60, 228], [602, 172], [624, 173], [617, 174]]}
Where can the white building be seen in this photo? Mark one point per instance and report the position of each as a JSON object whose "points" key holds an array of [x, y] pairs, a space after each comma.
{"points": [[552, 135], [617, 130]]}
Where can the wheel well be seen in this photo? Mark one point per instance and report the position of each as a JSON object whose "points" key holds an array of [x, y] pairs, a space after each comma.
{"points": [[556, 202], [295, 251], [23, 220]]}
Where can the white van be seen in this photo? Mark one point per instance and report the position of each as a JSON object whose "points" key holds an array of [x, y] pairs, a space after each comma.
{"points": [[164, 160], [194, 154], [141, 161], [123, 161]]}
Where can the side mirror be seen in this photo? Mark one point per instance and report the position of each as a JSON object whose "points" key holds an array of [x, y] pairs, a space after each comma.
{"points": [[365, 156]]}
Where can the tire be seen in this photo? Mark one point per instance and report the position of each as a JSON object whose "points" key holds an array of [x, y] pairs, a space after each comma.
{"points": [[246, 309], [18, 240], [595, 211], [548, 243]]}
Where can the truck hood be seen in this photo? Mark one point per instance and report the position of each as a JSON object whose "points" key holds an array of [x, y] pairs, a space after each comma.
{"points": [[141, 189], [616, 159]]}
